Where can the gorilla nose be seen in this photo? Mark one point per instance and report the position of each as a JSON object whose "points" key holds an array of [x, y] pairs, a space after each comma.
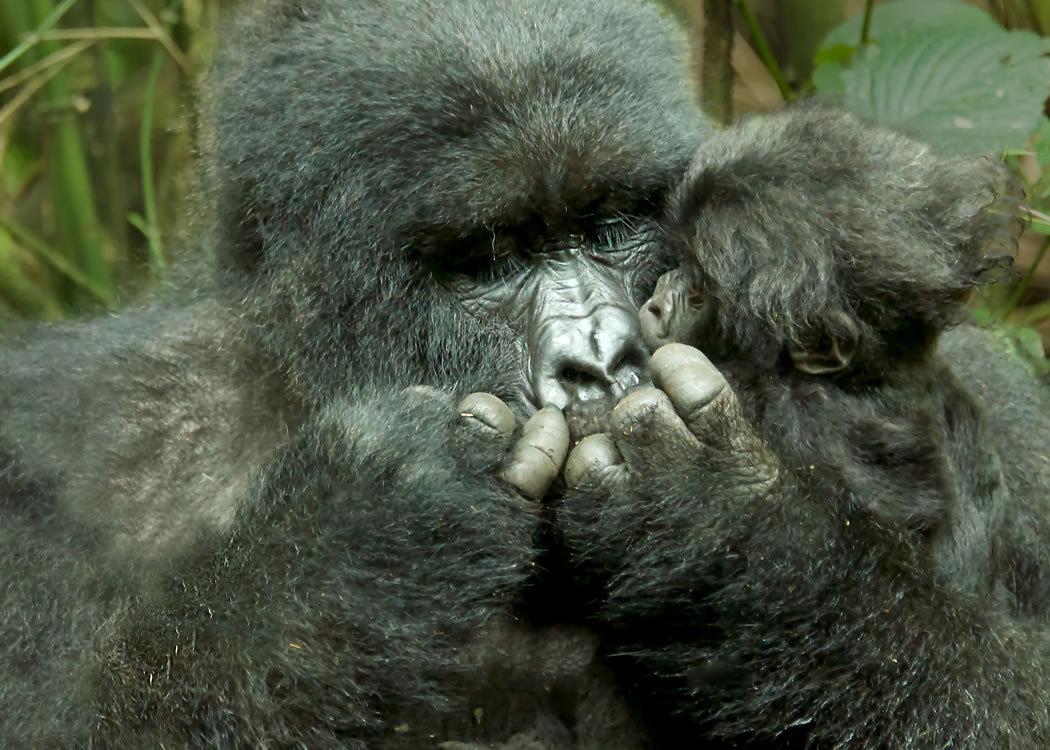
{"points": [[587, 364], [655, 318]]}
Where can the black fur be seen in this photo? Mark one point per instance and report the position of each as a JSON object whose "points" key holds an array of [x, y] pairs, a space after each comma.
{"points": [[230, 520], [868, 565]]}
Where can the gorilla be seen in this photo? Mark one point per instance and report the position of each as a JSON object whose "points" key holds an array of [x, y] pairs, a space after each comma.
{"points": [[319, 496], [849, 545]]}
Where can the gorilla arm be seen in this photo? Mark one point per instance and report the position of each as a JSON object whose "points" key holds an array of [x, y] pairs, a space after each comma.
{"points": [[686, 431], [753, 591], [370, 552]]}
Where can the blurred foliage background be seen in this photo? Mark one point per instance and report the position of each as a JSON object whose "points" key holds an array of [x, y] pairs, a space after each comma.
{"points": [[98, 121], [96, 131]]}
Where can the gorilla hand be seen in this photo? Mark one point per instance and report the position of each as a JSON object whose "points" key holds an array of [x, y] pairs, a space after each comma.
{"points": [[691, 420], [537, 455], [656, 510]]}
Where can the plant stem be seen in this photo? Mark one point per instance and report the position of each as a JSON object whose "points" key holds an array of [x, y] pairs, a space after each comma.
{"points": [[149, 200], [716, 69], [149, 196], [865, 32], [34, 36], [758, 39], [56, 260], [72, 193], [1015, 298]]}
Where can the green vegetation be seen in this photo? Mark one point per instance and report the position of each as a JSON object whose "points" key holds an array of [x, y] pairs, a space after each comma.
{"points": [[83, 213]]}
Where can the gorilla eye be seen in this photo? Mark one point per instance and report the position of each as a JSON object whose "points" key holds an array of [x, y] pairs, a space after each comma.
{"points": [[502, 267], [487, 256], [619, 234], [611, 235]]}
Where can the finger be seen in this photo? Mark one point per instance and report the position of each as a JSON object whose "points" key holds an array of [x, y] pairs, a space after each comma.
{"points": [[539, 453], [594, 461], [487, 413], [646, 419], [709, 408], [691, 382]]}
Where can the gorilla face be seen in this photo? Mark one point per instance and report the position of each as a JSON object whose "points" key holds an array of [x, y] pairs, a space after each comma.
{"points": [[677, 312], [573, 307], [492, 185]]}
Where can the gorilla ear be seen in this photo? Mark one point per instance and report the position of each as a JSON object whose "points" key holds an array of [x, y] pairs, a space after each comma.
{"points": [[831, 352], [834, 358]]}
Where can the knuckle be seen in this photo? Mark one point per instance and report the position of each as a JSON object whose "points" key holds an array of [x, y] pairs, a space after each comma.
{"points": [[642, 406], [487, 412]]}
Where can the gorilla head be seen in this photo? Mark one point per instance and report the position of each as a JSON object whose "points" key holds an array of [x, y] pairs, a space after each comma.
{"points": [[817, 243], [391, 183]]}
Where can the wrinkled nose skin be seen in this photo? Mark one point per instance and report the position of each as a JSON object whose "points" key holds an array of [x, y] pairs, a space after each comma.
{"points": [[585, 345], [586, 363]]}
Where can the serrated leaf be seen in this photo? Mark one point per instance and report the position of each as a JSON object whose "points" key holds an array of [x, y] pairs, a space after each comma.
{"points": [[901, 16], [962, 89]]}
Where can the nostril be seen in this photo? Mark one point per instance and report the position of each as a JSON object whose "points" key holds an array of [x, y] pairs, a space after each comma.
{"points": [[627, 358], [576, 376], [584, 363], [653, 308]]}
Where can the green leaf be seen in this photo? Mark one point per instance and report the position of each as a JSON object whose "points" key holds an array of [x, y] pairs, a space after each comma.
{"points": [[827, 78], [962, 89], [1028, 346], [836, 53], [900, 16], [1041, 143], [982, 316], [1030, 342], [1025, 346]]}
